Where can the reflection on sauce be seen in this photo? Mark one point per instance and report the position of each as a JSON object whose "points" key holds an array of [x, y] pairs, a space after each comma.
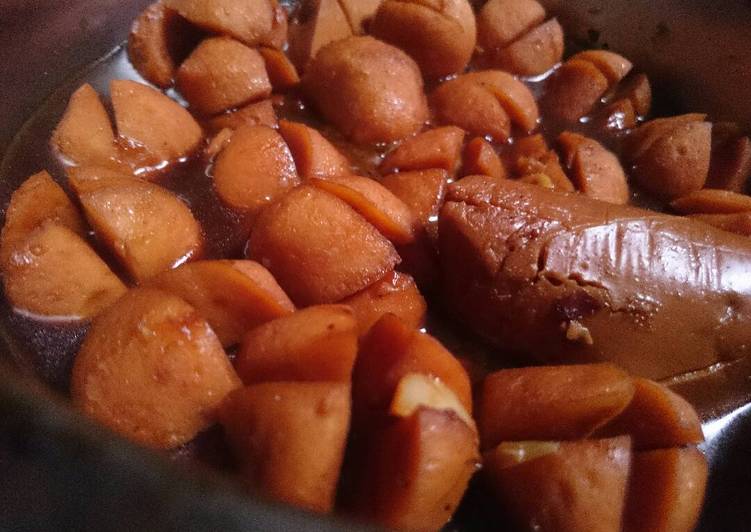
{"points": [[714, 429], [717, 392]]}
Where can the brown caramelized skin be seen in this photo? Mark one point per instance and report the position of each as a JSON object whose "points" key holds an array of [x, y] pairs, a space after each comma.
{"points": [[566, 278]]}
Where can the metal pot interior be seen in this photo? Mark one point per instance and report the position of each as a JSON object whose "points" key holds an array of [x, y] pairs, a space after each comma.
{"points": [[66, 470]]}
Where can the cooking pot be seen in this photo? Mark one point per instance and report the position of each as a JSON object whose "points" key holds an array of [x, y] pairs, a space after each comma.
{"points": [[60, 471]]}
